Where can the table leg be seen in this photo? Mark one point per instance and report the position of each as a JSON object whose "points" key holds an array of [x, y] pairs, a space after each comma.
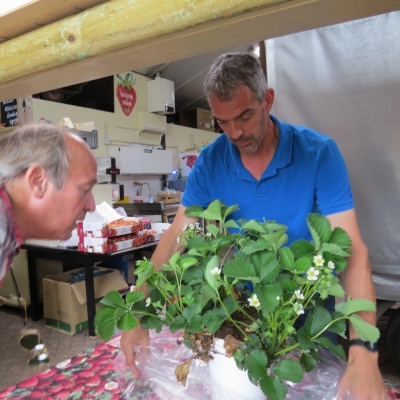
{"points": [[90, 297], [34, 306]]}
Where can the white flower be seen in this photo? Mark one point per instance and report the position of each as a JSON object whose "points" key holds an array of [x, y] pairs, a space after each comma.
{"points": [[278, 298], [318, 260], [253, 300], [208, 234], [299, 295], [312, 274], [178, 239], [184, 228], [148, 301], [331, 265], [216, 271], [298, 308]]}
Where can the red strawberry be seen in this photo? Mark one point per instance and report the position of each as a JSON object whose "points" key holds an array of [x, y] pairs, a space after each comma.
{"points": [[93, 381], [64, 394], [37, 394], [126, 94], [28, 383], [47, 374]]}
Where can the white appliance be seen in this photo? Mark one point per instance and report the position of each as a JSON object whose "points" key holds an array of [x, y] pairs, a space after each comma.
{"points": [[161, 96], [142, 160]]}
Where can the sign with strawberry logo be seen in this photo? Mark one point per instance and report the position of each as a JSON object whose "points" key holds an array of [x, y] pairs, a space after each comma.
{"points": [[126, 93]]}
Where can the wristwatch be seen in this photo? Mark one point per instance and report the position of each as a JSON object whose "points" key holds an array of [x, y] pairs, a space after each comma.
{"points": [[368, 345]]}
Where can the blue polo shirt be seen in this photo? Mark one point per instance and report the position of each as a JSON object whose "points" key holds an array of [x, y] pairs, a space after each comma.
{"points": [[306, 174]]}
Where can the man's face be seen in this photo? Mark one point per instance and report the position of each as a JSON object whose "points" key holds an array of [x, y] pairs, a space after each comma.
{"points": [[243, 119], [75, 198]]}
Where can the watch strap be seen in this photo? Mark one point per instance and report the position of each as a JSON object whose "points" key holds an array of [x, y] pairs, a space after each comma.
{"points": [[368, 345]]}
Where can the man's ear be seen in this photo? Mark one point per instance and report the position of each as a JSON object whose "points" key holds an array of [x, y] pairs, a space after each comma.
{"points": [[269, 97], [37, 180]]}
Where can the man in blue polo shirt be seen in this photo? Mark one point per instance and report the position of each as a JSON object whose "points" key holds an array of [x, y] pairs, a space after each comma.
{"points": [[275, 171]]}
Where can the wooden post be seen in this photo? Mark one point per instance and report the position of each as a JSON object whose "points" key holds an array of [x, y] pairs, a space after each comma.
{"points": [[25, 110], [111, 26]]}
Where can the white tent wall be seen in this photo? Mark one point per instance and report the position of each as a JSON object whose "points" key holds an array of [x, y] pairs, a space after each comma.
{"points": [[344, 81]]}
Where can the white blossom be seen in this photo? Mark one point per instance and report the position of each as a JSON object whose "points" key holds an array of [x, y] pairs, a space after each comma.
{"points": [[331, 265], [184, 228], [111, 385], [215, 271], [278, 298], [312, 274], [298, 294], [178, 239], [318, 260], [148, 301], [298, 308], [253, 300]]}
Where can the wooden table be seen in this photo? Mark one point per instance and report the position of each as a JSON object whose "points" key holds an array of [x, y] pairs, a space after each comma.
{"points": [[86, 260]]}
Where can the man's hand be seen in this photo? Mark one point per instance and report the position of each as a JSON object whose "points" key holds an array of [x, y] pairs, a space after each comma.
{"points": [[131, 339], [362, 379]]}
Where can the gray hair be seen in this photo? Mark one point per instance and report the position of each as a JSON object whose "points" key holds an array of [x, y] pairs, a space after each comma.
{"points": [[231, 70], [34, 144]]}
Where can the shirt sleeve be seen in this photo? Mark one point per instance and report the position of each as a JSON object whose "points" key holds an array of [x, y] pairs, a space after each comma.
{"points": [[333, 189]]}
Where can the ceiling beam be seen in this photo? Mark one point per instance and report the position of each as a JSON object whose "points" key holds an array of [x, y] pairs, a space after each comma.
{"points": [[107, 40]]}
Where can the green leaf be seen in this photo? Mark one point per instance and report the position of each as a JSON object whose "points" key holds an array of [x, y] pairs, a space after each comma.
{"points": [[340, 237], [153, 323], [302, 264], [321, 226], [194, 211], [334, 249], [177, 323], [267, 296], [269, 272], [213, 229], [289, 370], [239, 268], [286, 258], [336, 349], [336, 290], [355, 305], [254, 226], [213, 211], [302, 248], [144, 274], [188, 313], [193, 275], [230, 304], [105, 322], [187, 262], [113, 299], [127, 322], [206, 294], [257, 364], [364, 330], [287, 284], [213, 319], [230, 224], [319, 319], [195, 325], [230, 210], [254, 246], [304, 339], [211, 278], [338, 327], [273, 388], [308, 362], [133, 297]]}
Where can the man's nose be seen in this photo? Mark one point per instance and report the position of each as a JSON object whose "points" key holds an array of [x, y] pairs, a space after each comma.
{"points": [[90, 203], [236, 129]]}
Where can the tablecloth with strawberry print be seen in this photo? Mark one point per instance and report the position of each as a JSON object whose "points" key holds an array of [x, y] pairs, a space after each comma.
{"points": [[88, 375], [91, 375]]}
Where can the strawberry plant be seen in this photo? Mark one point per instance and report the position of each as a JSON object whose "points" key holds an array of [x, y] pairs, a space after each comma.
{"points": [[126, 94]]}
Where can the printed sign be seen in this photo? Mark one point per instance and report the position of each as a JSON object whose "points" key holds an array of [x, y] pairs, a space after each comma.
{"points": [[9, 114], [126, 93]]}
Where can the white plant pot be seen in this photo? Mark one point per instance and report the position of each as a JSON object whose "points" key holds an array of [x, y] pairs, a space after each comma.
{"points": [[224, 372]]}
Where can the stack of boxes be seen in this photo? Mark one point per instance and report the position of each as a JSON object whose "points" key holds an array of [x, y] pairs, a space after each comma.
{"points": [[108, 237]]}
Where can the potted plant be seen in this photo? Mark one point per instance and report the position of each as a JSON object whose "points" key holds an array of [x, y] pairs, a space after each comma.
{"points": [[249, 289]]}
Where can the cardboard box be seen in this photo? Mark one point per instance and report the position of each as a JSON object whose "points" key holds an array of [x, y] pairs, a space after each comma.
{"points": [[123, 226], [197, 118], [64, 304]]}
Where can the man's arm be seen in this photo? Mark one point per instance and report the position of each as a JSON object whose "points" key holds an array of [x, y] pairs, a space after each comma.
{"points": [[362, 377], [167, 246]]}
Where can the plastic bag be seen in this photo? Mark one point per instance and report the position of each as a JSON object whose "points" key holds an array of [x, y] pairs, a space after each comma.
{"points": [[158, 381]]}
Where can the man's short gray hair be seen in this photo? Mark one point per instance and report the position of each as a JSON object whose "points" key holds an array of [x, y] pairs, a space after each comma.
{"points": [[34, 144], [231, 70]]}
